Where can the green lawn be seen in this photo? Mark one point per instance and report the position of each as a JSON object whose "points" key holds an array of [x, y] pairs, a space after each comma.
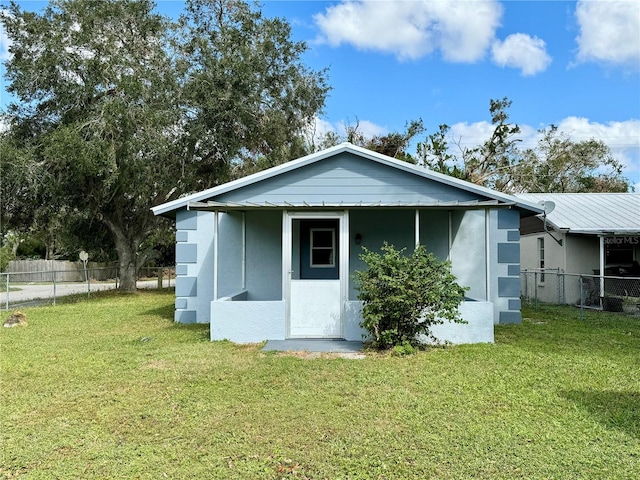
{"points": [[112, 388]]}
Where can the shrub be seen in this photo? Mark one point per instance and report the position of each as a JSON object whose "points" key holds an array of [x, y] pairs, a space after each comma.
{"points": [[404, 295]]}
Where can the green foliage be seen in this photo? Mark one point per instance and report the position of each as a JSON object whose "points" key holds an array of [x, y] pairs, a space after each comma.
{"points": [[404, 295], [120, 109], [6, 255], [404, 349], [487, 164], [394, 144], [556, 164]]}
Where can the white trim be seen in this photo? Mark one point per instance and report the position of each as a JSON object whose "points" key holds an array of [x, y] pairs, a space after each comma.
{"points": [[244, 251], [332, 248], [345, 241], [450, 236], [287, 251], [487, 253], [216, 249], [417, 228], [286, 256], [602, 262]]}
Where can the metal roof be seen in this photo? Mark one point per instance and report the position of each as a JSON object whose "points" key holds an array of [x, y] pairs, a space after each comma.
{"points": [[212, 206], [591, 213], [172, 206]]}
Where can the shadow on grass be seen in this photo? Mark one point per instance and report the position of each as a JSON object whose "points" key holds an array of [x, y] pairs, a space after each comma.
{"points": [[620, 410], [165, 312]]}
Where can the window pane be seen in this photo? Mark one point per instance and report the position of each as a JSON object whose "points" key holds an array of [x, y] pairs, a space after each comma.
{"points": [[322, 238], [322, 257]]}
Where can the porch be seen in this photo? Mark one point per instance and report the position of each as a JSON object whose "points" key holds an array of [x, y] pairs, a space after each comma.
{"points": [[294, 271]]}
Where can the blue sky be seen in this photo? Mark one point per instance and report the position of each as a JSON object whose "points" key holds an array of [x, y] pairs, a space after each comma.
{"points": [[573, 64]]}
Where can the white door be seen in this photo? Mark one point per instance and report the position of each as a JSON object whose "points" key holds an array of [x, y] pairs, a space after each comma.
{"points": [[316, 280]]}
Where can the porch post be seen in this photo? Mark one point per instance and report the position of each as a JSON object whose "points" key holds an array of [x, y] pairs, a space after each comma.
{"points": [[286, 256], [216, 235], [345, 241], [487, 253], [601, 269], [244, 251], [417, 227], [450, 236]]}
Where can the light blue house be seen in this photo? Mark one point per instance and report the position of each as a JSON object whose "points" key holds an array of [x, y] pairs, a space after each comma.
{"points": [[272, 256]]}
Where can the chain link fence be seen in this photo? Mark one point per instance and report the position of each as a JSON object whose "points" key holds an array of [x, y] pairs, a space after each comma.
{"points": [[609, 293], [24, 289]]}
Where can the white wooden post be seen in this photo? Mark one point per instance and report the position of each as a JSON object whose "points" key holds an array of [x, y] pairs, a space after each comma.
{"points": [[417, 227]]}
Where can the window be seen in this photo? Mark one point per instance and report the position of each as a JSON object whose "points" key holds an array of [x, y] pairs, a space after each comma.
{"points": [[541, 258], [323, 247]]}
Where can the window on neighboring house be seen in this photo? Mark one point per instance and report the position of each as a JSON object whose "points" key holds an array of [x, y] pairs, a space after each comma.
{"points": [[323, 247], [541, 258]]}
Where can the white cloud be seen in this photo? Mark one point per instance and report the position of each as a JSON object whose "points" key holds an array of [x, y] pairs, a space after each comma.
{"points": [[365, 127], [320, 128], [469, 135], [5, 43], [623, 138], [521, 51], [609, 31], [461, 31]]}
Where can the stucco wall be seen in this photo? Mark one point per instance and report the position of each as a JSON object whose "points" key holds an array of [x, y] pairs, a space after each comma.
{"points": [[230, 245], [468, 251], [529, 251], [248, 322], [264, 255], [504, 265], [194, 266], [583, 254]]}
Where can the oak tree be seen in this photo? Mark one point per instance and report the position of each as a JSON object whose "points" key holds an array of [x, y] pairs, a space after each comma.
{"points": [[123, 109]]}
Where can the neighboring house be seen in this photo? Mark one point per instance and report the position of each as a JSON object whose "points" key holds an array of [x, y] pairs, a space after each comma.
{"points": [[581, 233], [272, 256]]}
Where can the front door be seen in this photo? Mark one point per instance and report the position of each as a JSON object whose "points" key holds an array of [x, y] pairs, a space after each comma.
{"points": [[316, 290]]}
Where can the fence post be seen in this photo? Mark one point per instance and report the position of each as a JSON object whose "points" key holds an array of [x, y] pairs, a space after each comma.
{"points": [[53, 274], [160, 278], [535, 289], [6, 307], [581, 298]]}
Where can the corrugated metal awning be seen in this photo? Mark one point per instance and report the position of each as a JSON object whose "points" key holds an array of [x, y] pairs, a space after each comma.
{"points": [[220, 206]]}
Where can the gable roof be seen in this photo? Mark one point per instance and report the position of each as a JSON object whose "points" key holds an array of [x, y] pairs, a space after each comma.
{"points": [[591, 213], [494, 197]]}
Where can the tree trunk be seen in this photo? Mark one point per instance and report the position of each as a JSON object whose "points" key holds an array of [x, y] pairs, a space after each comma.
{"points": [[127, 269], [127, 258]]}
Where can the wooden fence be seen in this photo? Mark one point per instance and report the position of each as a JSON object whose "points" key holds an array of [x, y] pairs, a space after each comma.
{"points": [[38, 271]]}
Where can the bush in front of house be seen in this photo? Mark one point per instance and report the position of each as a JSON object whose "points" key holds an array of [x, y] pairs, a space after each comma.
{"points": [[404, 295]]}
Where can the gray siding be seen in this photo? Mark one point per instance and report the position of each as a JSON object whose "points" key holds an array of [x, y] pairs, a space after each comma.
{"points": [[347, 178]]}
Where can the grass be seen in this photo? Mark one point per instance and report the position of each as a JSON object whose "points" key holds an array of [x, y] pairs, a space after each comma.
{"points": [[112, 388]]}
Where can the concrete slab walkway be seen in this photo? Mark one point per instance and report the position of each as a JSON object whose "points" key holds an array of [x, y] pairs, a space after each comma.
{"points": [[314, 345]]}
